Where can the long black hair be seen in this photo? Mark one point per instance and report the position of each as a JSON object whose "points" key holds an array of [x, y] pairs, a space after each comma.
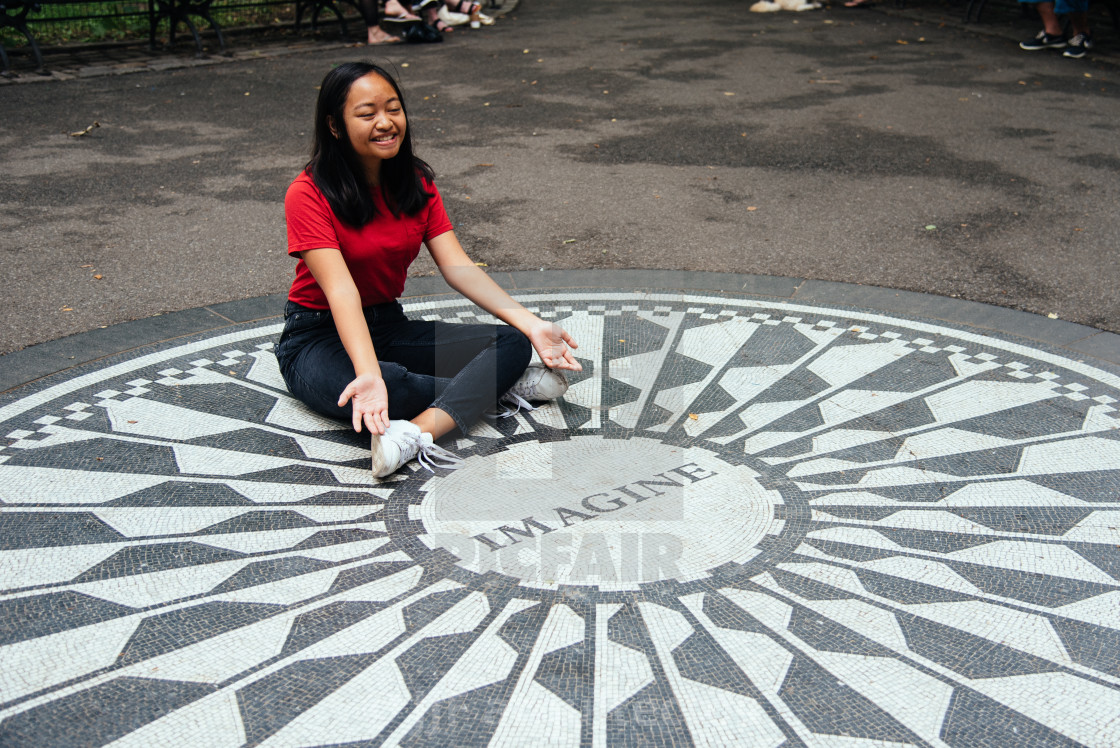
{"points": [[335, 167]]}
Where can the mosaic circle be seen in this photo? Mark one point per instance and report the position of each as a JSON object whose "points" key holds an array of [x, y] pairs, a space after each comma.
{"points": [[747, 522]]}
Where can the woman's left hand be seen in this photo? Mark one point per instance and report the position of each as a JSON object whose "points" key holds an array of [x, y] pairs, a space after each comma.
{"points": [[554, 345]]}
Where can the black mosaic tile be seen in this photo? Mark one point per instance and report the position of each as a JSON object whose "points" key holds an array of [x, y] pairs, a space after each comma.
{"points": [[180, 628], [825, 635], [1055, 521], [1056, 416], [802, 419], [1090, 645], [520, 632], [423, 612], [938, 542], [340, 536], [906, 591], [98, 714], [52, 529], [808, 588], [726, 614], [913, 373], [101, 456], [863, 513], [318, 624], [241, 403], [426, 662], [802, 386], [23, 618], [905, 415], [568, 673], [466, 720], [651, 717], [881, 450], [702, 660], [1098, 486], [259, 521], [974, 719], [849, 551], [295, 474], [272, 702], [1037, 589], [145, 559], [1104, 557], [270, 570], [260, 442], [177, 494], [355, 577], [829, 707], [773, 345], [626, 628], [971, 656]]}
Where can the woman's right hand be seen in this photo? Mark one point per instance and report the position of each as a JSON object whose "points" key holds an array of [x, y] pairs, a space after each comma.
{"points": [[370, 403]]}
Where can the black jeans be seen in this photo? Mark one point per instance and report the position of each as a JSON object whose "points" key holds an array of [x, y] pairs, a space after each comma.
{"points": [[460, 369]]}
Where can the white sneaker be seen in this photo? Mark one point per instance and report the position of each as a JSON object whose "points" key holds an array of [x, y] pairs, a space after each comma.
{"points": [[537, 383], [451, 18], [402, 442]]}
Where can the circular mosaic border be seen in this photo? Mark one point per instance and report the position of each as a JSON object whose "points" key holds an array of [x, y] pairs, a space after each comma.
{"points": [[187, 551]]}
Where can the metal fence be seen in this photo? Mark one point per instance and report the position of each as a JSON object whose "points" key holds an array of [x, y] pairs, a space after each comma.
{"points": [[61, 23]]}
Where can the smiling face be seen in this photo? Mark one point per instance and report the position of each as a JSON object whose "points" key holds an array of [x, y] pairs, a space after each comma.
{"points": [[374, 121]]}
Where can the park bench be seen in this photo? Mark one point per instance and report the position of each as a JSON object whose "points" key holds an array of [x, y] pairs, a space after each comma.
{"points": [[21, 14]]}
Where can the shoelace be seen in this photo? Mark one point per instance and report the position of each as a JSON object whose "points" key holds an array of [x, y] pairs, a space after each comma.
{"points": [[513, 404], [431, 456]]}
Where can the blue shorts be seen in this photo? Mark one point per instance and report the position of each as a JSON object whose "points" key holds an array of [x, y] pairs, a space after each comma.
{"points": [[1061, 7]]}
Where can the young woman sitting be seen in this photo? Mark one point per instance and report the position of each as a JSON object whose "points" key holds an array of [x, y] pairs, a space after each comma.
{"points": [[356, 218]]}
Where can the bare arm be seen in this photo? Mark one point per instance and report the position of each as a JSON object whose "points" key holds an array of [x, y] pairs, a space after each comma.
{"points": [[550, 340], [370, 398]]}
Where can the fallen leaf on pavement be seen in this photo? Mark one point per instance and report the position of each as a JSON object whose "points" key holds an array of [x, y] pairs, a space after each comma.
{"points": [[86, 131]]}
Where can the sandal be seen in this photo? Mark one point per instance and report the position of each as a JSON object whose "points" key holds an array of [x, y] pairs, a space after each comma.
{"points": [[397, 15], [428, 10], [377, 35]]}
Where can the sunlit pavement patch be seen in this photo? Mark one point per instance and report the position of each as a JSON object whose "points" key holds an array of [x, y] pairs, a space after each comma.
{"points": [[747, 522]]}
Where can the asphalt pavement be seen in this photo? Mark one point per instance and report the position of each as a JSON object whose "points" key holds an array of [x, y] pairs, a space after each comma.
{"points": [[880, 147]]}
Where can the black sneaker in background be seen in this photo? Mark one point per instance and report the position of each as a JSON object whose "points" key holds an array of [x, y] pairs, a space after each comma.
{"points": [[1042, 40], [1078, 46]]}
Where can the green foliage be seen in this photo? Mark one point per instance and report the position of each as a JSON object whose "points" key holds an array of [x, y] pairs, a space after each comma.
{"points": [[66, 23]]}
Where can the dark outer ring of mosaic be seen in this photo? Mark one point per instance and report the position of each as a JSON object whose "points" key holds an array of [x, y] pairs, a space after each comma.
{"points": [[528, 296]]}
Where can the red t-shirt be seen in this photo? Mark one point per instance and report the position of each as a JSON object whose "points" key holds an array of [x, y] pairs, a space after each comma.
{"points": [[377, 254]]}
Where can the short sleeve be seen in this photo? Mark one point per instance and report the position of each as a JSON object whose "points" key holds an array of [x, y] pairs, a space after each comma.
{"points": [[309, 218], [438, 221]]}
